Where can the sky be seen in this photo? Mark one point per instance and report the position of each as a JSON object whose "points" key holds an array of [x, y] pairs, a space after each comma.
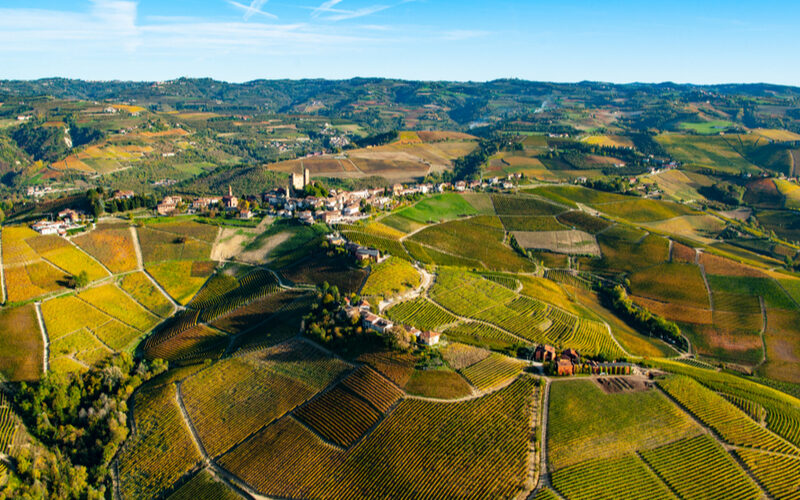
{"points": [[621, 41]]}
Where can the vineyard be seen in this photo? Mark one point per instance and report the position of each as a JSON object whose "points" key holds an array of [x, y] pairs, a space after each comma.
{"points": [[113, 247], [389, 246], [114, 302], [523, 205], [700, 468], [204, 486], [144, 292], [625, 477], [8, 426], [439, 383], [722, 416], [459, 356], [244, 393], [22, 346], [215, 303], [587, 423], [177, 279], [483, 335], [492, 371], [391, 277], [189, 346], [257, 312], [373, 388], [420, 313], [470, 449], [395, 366], [338, 416], [778, 474], [161, 450]]}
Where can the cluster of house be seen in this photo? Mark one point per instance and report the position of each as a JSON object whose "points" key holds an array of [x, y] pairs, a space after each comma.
{"points": [[39, 191], [570, 363], [372, 321], [360, 252], [67, 219]]}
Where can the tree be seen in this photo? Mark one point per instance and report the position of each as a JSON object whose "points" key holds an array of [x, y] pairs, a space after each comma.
{"points": [[80, 280]]}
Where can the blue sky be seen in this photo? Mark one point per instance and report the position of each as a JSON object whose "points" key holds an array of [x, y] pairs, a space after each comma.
{"points": [[566, 41]]}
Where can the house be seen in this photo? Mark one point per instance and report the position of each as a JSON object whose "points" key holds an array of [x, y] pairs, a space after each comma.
{"points": [[376, 323], [330, 217], [168, 205], [123, 195], [564, 367], [364, 253], [351, 209], [246, 214], [229, 200], [70, 215], [205, 202], [429, 337], [572, 355], [47, 227], [306, 217], [461, 186], [414, 331], [544, 352]]}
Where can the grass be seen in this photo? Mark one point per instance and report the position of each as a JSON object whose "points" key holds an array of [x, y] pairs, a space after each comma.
{"points": [[113, 247], [177, 280], [22, 347], [391, 277], [587, 423], [441, 384], [672, 282], [400, 223], [159, 245], [707, 127], [438, 208], [627, 249], [481, 202]]}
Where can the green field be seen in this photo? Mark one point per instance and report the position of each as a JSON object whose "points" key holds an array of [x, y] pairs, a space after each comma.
{"points": [[708, 127], [391, 277], [438, 208]]}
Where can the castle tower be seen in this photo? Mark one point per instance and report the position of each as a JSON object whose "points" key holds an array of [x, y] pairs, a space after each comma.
{"points": [[230, 190], [306, 177]]}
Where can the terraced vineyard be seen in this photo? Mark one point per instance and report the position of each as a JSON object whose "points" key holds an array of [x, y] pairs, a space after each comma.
{"points": [[482, 335], [778, 474], [216, 303], [204, 486], [372, 387], [700, 468], [147, 465], [723, 417], [339, 416], [492, 371], [391, 277], [189, 346], [420, 313], [625, 477], [8, 426], [471, 449], [145, 293]]}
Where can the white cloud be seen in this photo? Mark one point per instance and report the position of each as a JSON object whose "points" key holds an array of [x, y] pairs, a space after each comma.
{"points": [[326, 6], [353, 14]]}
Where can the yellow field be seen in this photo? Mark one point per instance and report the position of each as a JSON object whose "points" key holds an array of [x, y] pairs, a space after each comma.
{"points": [[116, 303], [176, 278], [609, 141], [408, 137], [128, 108], [15, 250], [72, 163], [73, 261], [777, 134], [65, 315]]}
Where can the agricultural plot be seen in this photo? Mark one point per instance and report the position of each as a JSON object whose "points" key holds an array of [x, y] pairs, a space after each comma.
{"points": [[440, 383], [22, 347], [402, 224], [438, 208], [673, 283], [218, 298], [624, 477], [420, 313], [482, 335], [570, 196], [524, 205], [146, 465], [428, 255], [459, 356], [531, 223], [479, 238], [778, 474], [256, 312], [113, 247], [372, 388], [390, 278], [587, 423], [467, 294], [393, 365], [242, 394], [24, 282], [189, 346], [718, 153], [783, 347], [470, 449], [582, 221], [767, 288], [74, 262], [139, 286], [159, 245], [722, 416], [570, 242], [204, 486], [338, 416], [114, 302], [385, 245], [8, 427], [82, 347], [714, 264], [645, 210], [481, 202], [492, 371], [178, 279], [626, 249], [319, 268], [699, 467]]}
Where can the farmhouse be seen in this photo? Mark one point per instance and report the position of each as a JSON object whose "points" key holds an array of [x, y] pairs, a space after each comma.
{"points": [[123, 195], [375, 322], [205, 202], [364, 253], [168, 205], [544, 352], [572, 355], [47, 227], [429, 337], [564, 367]]}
